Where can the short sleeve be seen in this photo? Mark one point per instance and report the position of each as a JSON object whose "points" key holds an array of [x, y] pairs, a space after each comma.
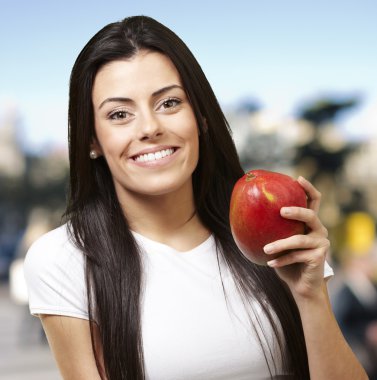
{"points": [[55, 277]]}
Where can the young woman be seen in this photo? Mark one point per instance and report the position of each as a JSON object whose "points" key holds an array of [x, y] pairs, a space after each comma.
{"points": [[144, 280]]}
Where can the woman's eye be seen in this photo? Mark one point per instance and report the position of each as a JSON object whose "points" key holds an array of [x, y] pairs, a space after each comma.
{"points": [[119, 115], [170, 103]]}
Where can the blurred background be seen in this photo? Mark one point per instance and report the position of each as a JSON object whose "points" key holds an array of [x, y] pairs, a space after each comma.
{"points": [[297, 81]]}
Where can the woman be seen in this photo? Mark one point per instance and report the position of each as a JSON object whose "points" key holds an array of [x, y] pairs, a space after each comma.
{"points": [[152, 167]]}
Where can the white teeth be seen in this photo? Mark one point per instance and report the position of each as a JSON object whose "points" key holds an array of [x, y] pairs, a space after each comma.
{"points": [[154, 156]]}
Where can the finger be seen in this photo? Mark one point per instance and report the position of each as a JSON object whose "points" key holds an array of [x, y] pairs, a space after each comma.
{"points": [[306, 215], [314, 196], [314, 258], [296, 242]]}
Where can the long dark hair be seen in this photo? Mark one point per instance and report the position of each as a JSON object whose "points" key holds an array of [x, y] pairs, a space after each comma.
{"points": [[114, 272]]}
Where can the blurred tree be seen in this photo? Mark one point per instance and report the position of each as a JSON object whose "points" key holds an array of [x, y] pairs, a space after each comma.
{"points": [[248, 105], [325, 110], [327, 150], [322, 160]]}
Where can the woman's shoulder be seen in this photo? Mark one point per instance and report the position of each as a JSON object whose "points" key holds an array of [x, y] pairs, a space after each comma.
{"points": [[53, 248], [55, 238], [54, 271]]}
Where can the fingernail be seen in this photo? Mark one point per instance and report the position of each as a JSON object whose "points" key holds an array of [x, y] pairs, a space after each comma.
{"points": [[272, 263], [268, 248], [286, 211]]}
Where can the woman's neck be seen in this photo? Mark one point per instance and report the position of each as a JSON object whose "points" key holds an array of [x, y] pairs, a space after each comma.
{"points": [[169, 219]]}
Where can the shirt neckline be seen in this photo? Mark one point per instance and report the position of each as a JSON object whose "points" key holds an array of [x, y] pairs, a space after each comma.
{"points": [[162, 247]]}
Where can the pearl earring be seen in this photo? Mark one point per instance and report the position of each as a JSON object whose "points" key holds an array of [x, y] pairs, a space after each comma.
{"points": [[93, 154]]}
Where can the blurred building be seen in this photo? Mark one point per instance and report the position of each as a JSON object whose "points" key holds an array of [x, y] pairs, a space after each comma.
{"points": [[27, 181], [12, 159]]}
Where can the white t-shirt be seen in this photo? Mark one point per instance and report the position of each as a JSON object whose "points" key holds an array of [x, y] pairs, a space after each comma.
{"points": [[190, 331]]}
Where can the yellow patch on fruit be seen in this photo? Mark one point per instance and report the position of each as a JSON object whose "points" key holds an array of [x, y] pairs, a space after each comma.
{"points": [[249, 176], [268, 195]]}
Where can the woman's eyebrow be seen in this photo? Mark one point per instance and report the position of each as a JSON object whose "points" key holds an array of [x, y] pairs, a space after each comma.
{"points": [[115, 99], [128, 100], [165, 89]]}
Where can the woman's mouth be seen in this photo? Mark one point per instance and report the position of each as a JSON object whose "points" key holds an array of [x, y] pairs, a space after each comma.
{"points": [[155, 156]]}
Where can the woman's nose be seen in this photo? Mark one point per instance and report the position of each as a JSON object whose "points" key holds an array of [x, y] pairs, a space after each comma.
{"points": [[149, 127]]}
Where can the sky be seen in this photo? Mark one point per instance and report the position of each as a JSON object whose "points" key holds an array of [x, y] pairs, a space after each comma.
{"points": [[280, 53]]}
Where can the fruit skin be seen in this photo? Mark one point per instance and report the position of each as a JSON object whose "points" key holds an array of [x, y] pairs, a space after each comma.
{"points": [[254, 214]]}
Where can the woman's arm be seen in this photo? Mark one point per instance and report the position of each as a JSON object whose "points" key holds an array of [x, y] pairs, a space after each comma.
{"points": [[70, 341], [329, 355], [302, 269]]}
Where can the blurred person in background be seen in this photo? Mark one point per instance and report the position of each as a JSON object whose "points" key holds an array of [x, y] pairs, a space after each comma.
{"points": [[145, 280], [355, 302]]}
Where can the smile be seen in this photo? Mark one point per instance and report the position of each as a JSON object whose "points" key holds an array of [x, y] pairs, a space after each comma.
{"points": [[155, 156]]}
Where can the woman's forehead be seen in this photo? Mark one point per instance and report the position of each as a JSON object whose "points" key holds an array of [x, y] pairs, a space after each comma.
{"points": [[146, 70]]}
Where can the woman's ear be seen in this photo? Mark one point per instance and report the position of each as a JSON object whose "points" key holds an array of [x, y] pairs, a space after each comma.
{"points": [[95, 150]]}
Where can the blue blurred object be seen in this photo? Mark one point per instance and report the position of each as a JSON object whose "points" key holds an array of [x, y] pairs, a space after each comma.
{"points": [[8, 244]]}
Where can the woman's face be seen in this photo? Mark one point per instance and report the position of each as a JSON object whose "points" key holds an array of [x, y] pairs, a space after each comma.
{"points": [[145, 126]]}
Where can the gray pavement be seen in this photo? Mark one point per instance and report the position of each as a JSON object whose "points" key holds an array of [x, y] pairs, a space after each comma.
{"points": [[24, 353]]}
